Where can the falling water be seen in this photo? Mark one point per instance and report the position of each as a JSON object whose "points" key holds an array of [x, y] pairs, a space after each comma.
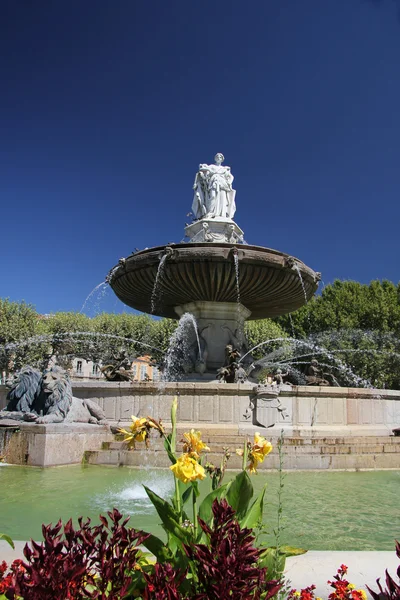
{"points": [[178, 354], [238, 304], [156, 293], [96, 296], [296, 267], [191, 319], [292, 325], [236, 261]]}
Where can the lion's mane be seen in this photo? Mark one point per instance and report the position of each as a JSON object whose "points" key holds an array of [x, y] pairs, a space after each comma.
{"points": [[25, 389], [57, 388]]}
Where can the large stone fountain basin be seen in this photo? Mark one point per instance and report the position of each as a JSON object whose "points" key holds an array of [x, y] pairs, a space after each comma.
{"points": [[269, 280]]}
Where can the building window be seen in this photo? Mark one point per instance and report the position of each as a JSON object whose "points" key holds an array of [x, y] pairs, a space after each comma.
{"points": [[95, 369], [156, 374], [143, 372], [79, 366], [134, 370]]}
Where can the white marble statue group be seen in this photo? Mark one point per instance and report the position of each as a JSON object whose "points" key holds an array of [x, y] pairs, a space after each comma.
{"points": [[213, 192]]}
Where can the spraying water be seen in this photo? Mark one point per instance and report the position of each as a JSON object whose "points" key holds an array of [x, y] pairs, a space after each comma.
{"points": [[156, 293], [96, 296], [271, 360], [50, 338]]}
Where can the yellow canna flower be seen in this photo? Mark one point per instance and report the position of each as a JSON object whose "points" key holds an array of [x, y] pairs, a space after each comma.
{"points": [[261, 445], [155, 425], [361, 594], [192, 443], [351, 586], [139, 430], [252, 466], [137, 424], [187, 469], [129, 438], [256, 452]]}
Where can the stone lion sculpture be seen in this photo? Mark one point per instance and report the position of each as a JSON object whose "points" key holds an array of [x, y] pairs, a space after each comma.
{"points": [[25, 388], [48, 398]]}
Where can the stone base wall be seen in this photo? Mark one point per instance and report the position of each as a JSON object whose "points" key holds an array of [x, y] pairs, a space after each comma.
{"points": [[313, 419], [56, 444], [308, 410]]}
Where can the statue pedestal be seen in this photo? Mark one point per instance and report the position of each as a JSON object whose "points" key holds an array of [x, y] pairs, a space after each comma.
{"points": [[219, 324], [217, 229]]}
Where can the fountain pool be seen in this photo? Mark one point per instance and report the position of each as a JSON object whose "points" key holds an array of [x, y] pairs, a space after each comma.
{"points": [[369, 518]]}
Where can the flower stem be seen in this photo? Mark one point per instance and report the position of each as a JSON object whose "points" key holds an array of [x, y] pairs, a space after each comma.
{"points": [[244, 462], [178, 499], [194, 501]]}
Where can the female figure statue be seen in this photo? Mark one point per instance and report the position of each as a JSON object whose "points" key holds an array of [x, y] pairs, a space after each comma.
{"points": [[213, 192]]}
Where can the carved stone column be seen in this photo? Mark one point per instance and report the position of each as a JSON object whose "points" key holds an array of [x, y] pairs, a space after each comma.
{"points": [[219, 324]]}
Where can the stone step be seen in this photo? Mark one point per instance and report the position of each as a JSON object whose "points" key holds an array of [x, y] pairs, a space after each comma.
{"points": [[373, 443], [298, 453], [324, 459]]}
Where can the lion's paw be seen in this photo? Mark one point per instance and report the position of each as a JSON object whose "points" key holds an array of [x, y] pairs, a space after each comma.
{"points": [[30, 417]]}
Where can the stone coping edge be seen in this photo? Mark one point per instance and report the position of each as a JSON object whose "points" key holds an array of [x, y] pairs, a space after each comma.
{"points": [[180, 387]]}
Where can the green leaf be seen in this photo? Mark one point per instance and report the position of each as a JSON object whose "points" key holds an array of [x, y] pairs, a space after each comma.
{"points": [[273, 561], [240, 493], [168, 516], [291, 550], [7, 539], [168, 446], [185, 495], [254, 515], [174, 409], [205, 511], [158, 548]]}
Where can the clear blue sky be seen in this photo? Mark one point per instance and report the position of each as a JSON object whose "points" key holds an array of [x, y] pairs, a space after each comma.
{"points": [[107, 108]]}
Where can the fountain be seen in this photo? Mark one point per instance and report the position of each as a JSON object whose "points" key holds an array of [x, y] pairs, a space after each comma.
{"points": [[214, 282], [215, 276]]}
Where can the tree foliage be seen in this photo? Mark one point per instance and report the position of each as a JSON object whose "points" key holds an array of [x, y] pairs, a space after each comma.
{"points": [[259, 332], [30, 338], [359, 326], [348, 305], [355, 324]]}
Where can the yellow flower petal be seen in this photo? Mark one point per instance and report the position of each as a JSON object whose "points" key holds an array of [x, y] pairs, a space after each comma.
{"points": [[187, 469], [192, 443]]}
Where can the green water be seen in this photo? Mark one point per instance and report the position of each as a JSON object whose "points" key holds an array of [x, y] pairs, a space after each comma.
{"points": [[322, 510]]}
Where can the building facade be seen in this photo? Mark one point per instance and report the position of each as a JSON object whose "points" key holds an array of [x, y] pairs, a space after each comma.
{"points": [[87, 370]]}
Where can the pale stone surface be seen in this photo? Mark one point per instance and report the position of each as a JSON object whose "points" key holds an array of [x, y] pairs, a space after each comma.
{"points": [[213, 192], [343, 453], [312, 411], [317, 567], [326, 426], [219, 324], [58, 444], [220, 229]]}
